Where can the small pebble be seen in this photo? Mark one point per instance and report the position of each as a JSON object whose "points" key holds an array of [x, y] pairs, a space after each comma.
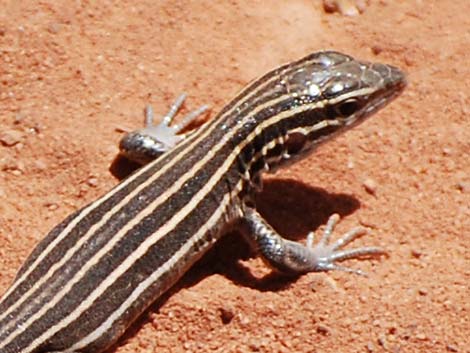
{"points": [[244, 320], [446, 151], [12, 165], [350, 164], [122, 129], [40, 164], [421, 336], [463, 186], [53, 28], [382, 341], [344, 7], [323, 329], [19, 117], [451, 348], [423, 291], [52, 206], [370, 186], [416, 253], [10, 137], [92, 181]]}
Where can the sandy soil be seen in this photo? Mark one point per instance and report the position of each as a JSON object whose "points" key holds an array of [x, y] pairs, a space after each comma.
{"points": [[72, 74]]}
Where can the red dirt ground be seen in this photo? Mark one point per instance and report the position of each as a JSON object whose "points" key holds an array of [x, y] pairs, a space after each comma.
{"points": [[75, 72]]}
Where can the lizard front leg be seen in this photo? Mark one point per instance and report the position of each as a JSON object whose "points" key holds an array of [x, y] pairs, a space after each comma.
{"points": [[295, 258], [144, 145]]}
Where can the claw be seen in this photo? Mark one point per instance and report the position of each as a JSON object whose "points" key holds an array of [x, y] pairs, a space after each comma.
{"points": [[168, 118], [349, 237], [310, 240], [355, 253], [330, 226], [148, 112], [188, 119]]}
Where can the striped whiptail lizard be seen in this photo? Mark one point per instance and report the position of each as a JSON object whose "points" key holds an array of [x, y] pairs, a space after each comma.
{"points": [[99, 269]]}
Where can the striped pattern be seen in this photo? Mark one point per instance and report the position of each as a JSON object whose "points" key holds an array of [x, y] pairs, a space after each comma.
{"points": [[95, 273]]}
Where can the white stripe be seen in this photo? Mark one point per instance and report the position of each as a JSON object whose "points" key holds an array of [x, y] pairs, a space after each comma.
{"points": [[105, 197], [130, 260], [145, 212], [165, 268], [108, 195], [204, 133]]}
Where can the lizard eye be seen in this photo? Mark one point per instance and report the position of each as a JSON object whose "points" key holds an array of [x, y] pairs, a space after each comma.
{"points": [[348, 107]]}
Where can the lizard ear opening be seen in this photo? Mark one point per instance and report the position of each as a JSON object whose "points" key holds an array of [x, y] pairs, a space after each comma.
{"points": [[295, 142]]}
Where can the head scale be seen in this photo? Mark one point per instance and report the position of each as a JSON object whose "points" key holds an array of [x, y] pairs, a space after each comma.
{"points": [[333, 92]]}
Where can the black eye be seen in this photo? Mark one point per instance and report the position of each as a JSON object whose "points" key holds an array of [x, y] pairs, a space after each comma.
{"points": [[348, 107]]}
